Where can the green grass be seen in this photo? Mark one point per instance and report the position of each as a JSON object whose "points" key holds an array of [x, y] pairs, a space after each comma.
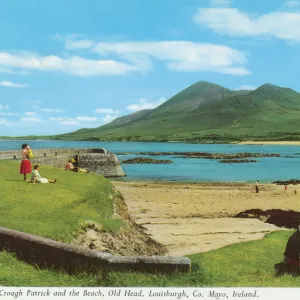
{"points": [[244, 264], [56, 211], [16, 273]]}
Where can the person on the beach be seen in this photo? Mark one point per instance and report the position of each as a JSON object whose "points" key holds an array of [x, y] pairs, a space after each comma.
{"points": [[37, 178], [285, 187], [295, 191], [257, 186], [25, 167]]}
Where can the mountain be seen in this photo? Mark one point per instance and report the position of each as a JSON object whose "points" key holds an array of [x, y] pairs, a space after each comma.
{"points": [[208, 111]]}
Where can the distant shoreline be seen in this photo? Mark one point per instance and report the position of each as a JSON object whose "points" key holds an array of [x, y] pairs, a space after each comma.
{"points": [[285, 143]]}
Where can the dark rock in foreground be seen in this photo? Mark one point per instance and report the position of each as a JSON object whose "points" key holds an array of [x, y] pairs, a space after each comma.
{"points": [[278, 217], [287, 182], [142, 160], [237, 161]]}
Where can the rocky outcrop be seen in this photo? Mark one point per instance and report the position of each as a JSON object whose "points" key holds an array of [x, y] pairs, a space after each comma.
{"points": [[287, 182], [237, 161], [278, 217], [206, 155], [143, 160]]}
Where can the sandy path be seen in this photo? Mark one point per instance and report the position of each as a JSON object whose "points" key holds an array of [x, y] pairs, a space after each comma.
{"points": [[191, 218]]}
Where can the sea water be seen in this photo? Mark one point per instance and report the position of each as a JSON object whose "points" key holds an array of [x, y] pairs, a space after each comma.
{"points": [[190, 169]]}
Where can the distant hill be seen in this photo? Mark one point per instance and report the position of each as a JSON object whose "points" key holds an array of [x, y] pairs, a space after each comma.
{"points": [[206, 111]]}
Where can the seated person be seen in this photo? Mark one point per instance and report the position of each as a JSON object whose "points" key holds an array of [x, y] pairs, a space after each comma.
{"points": [[71, 167], [37, 178]]}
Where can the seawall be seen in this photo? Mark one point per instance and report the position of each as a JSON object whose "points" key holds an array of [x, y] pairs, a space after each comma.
{"points": [[97, 160], [52, 254]]}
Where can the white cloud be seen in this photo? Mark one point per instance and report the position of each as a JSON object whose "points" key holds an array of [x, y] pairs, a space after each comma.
{"points": [[8, 123], [86, 119], [64, 120], [79, 44], [109, 118], [292, 4], [30, 120], [74, 65], [106, 111], [144, 104], [12, 84], [222, 3], [11, 71], [30, 113], [55, 110], [69, 121], [9, 114], [4, 106], [231, 21], [181, 56], [56, 119], [246, 87]]}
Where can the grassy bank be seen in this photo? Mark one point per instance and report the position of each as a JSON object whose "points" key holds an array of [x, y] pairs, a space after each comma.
{"points": [[56, 211], [244, 264]]}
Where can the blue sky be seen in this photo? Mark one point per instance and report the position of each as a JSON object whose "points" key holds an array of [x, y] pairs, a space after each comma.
{"points": [[73, 64]]}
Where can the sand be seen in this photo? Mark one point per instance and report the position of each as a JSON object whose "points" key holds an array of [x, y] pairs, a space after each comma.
{"points": [[284, 143], [193, 218]]}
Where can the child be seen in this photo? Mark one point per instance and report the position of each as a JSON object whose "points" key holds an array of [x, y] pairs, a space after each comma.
{"points": [[36, 177], [29, 152]]}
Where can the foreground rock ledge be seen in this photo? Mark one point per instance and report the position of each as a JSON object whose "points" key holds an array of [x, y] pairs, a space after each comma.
{"points": [[52, 254]]}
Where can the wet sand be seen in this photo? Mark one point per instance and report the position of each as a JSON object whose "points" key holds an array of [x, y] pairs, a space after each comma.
{"points": [[191, 218]]}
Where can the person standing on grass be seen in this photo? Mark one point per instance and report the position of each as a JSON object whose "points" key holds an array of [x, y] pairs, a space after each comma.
{"points": [[37, 178], [257, 186], [25, 167], [285, 187]]}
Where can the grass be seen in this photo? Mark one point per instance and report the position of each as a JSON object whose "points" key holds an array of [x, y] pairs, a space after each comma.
{"points": [[240, 265], [56, 211]]}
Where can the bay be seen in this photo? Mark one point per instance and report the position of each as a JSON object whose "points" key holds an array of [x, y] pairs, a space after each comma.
{"points": [[188, 169]]}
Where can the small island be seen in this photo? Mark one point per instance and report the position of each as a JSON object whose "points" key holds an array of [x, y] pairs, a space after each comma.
{"points": [[237, 161], [287, 182], [143, 160]]}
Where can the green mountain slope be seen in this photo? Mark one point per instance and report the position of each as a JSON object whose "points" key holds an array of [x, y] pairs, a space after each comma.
{"points": [[205, 110]]}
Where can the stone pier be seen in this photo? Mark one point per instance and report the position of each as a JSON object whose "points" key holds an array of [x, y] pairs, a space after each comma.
{"points": [[97, 160]]}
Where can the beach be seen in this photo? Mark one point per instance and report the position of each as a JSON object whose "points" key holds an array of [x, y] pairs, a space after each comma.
{"points": [[197, 217]]}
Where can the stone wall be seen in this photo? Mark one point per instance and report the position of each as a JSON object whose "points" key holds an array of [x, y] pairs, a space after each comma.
{"points": [[52, 152], [52, 254], [96, 160], [105, 164], [58, 161]]}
